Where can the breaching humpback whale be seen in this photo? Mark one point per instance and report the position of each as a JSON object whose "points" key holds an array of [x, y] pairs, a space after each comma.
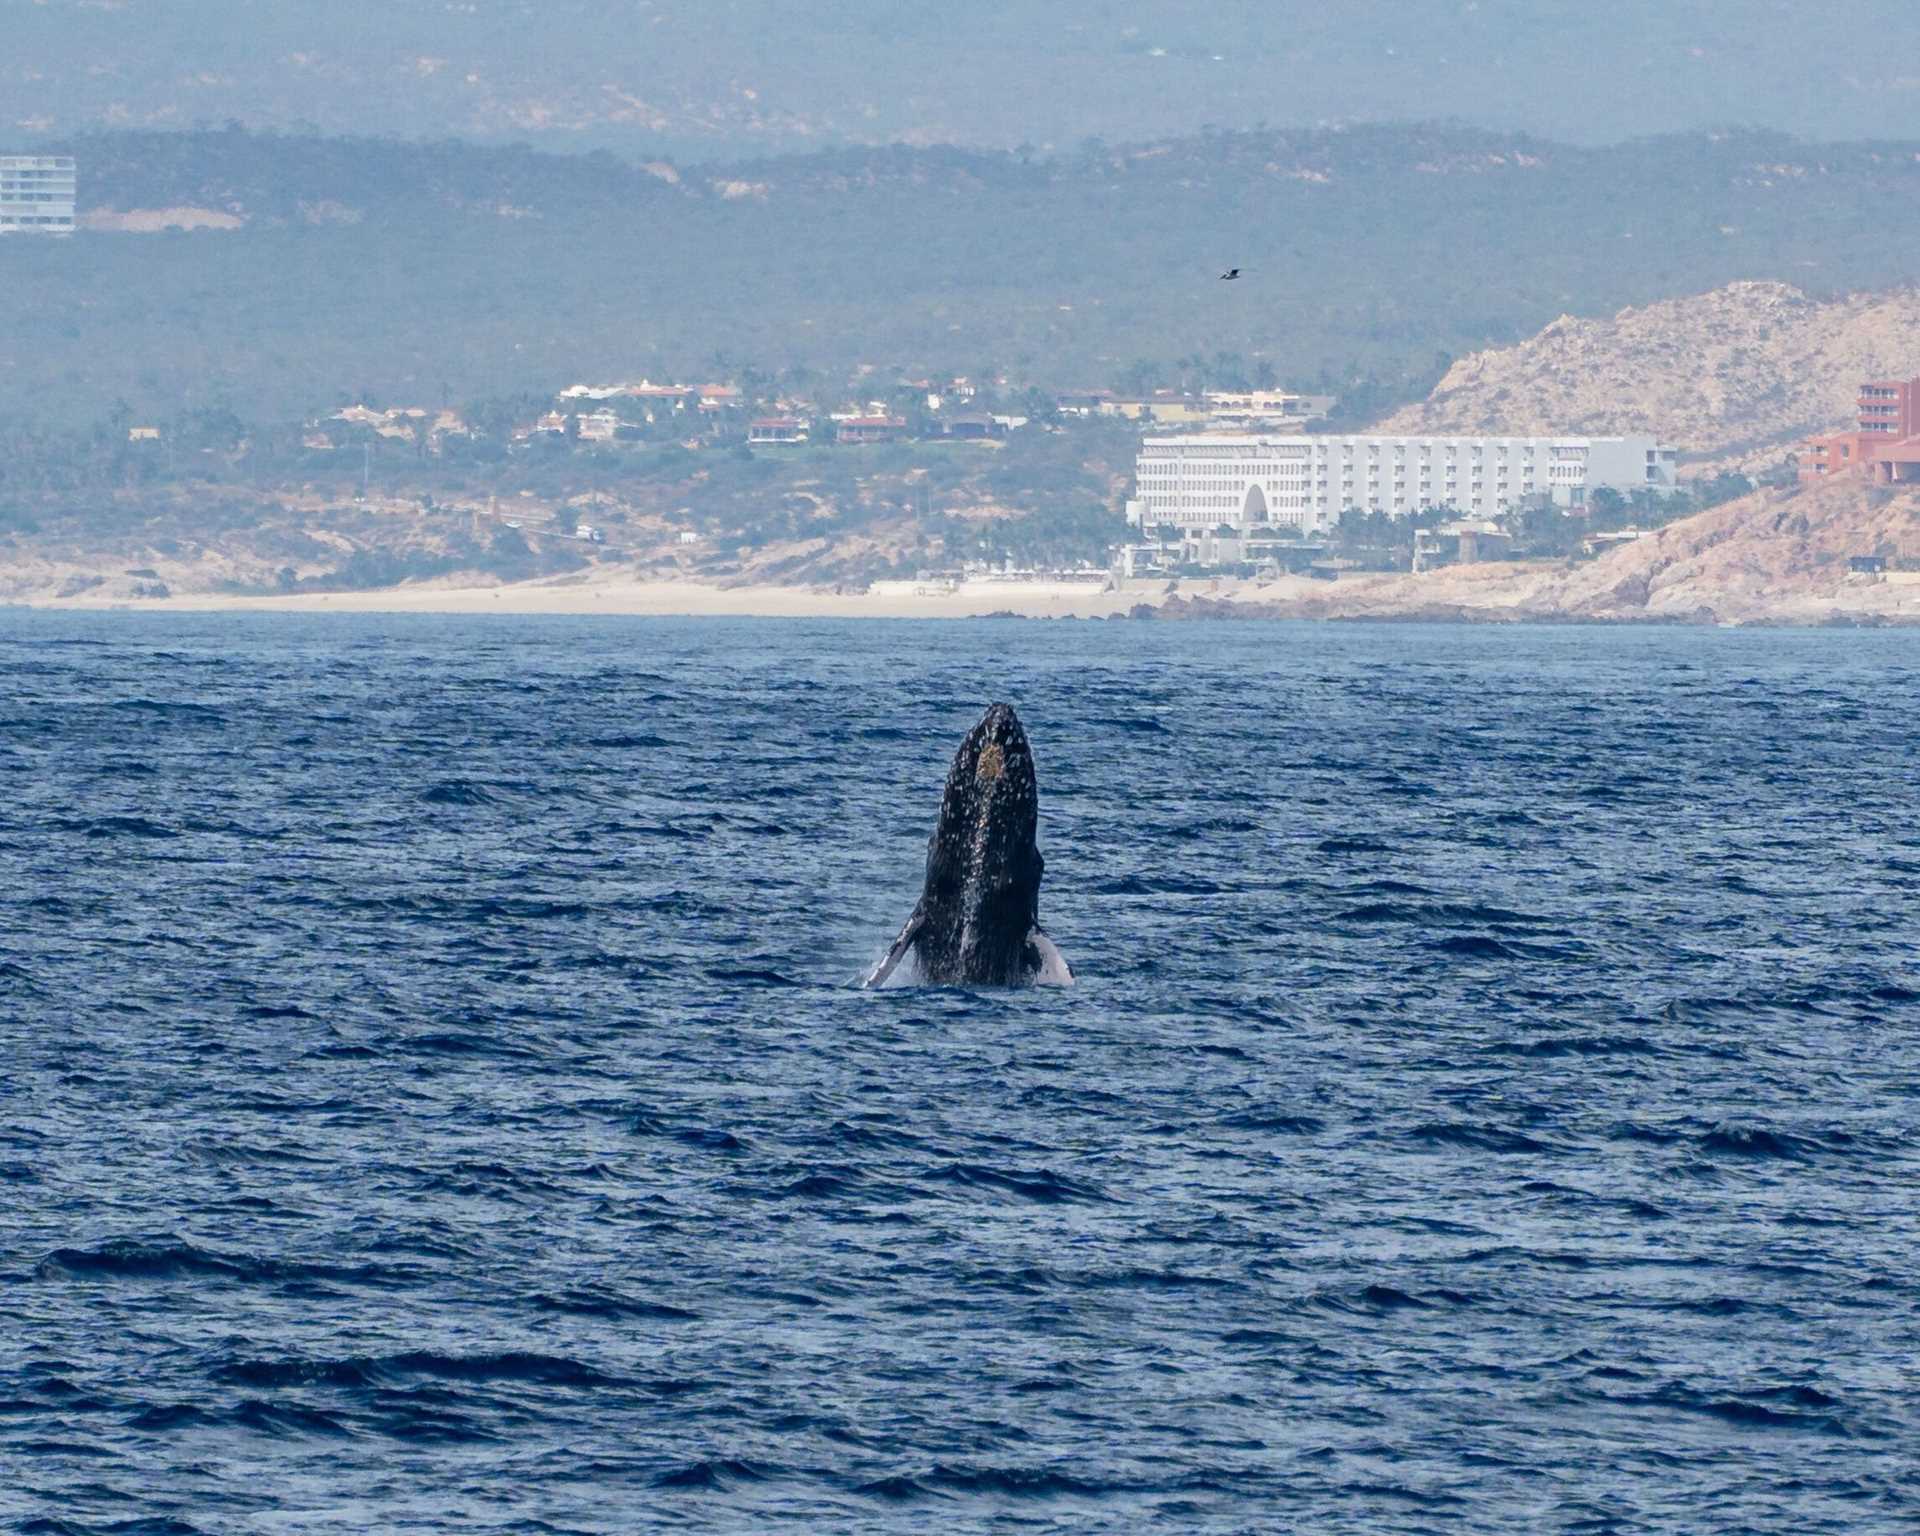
{"points": [[977, 922]]}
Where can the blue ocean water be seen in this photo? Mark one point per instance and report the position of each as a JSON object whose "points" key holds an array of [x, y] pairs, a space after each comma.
{"points": [[434, 1097]]}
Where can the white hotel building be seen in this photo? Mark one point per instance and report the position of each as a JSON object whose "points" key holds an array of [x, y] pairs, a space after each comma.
{"points": [[36, 194], [1256, 482]]}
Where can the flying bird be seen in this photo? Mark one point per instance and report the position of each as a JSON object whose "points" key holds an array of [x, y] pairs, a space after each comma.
{"points": [[1230, 274]]}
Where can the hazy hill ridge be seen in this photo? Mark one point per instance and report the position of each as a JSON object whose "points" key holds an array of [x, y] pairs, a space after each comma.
{"points": [[1739, 375], [715, 77], [413, 272]]}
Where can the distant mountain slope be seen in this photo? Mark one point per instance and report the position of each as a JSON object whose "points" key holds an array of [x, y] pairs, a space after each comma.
{"points": [[729, 76], [421, 272], [1738, 375]]}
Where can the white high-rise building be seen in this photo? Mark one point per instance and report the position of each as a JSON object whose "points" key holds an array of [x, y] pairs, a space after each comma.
{"points": [[36, 194], [1256, 481]]}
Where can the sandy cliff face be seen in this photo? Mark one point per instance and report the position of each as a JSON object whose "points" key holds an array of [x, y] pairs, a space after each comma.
{"points": [[1737, 376], [1775, 557]]}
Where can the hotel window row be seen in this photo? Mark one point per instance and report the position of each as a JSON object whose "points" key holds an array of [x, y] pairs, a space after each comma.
{"points": [[1307, 482]]}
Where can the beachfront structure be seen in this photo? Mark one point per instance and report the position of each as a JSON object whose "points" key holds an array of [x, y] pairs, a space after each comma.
{"points": [[1256, 481], [36, 194]]}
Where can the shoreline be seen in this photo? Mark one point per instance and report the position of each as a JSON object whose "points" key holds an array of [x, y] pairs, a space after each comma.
{"points": [[1772, 559], [653, 599], [1482, 596], [1477, 595]]}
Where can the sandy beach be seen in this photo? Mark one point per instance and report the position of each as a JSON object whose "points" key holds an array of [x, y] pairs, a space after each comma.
{"points": [[887, 600], [1483, 593], [1774, 557]]}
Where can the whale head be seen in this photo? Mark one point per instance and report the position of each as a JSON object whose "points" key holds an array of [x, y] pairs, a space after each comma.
{"points": [[978, 919]]}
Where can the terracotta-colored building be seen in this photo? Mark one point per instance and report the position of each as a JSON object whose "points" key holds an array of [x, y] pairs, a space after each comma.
{"points": [[1890, 406], [1886, 444]]}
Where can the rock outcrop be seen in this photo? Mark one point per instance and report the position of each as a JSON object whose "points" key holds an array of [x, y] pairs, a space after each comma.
{"points": [[1774, 557], [1779, 556]]}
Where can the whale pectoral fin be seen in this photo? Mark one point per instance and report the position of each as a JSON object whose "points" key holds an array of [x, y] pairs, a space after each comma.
{"points": [[1050, 968], [878, 975]]}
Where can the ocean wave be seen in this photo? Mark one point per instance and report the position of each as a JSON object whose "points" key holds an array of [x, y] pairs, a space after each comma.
{"points": [[163, 1258], [458, 1042], [1480, 946], [118, 826], [1378, 1298], [821, 1186], [609, 1304], [752, 977], [145, 1525], [1160, 885], [1478, 1138], [900, 1488], [1041, 1186], [1273, 1121], [1015, 1482], [1580, 1045], [886, 1135], [629, 742], [1799, 1408], [266, 1418], [159, 1418], [462, 792], [704, 1137], [1439, 914], [712, 1476], [530, 909], [1339, 845], [1153, 1280], [183, 710], [385, 1370]]}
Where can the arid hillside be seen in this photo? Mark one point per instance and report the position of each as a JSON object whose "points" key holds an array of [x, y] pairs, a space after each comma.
{"points": [[1778, 555], [226, 543], [820, 517], [1774, 557], [1736, 376]]}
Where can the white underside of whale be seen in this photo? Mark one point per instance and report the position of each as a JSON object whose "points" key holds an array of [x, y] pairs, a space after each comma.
{"points": [[891, 971]]}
